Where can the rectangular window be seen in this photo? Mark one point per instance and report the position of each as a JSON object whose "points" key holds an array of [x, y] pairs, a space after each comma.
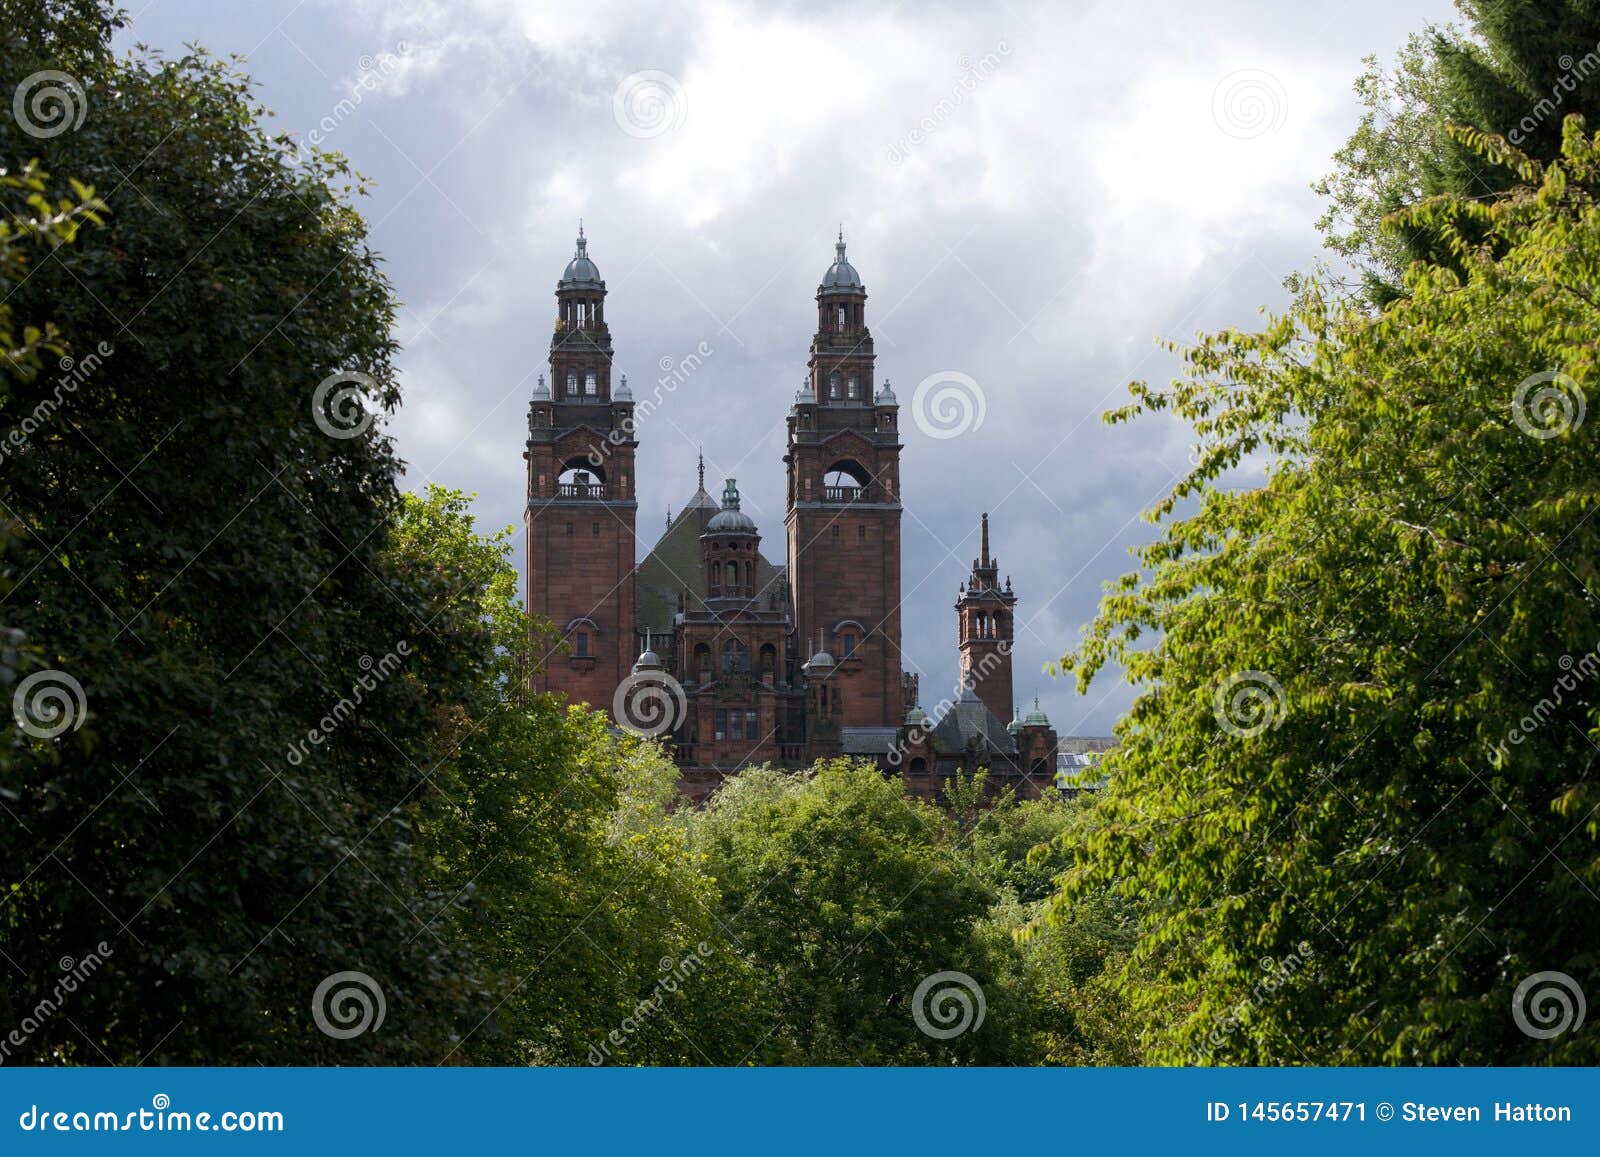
{"points": [[596, 529], [750, 725], [721, 723], [861, 533], [583, 644], [835, 532], [569, 530]]}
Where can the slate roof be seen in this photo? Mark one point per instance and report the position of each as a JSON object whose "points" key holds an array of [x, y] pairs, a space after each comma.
{"points": [[867, 740], [966, 718], [674, 565]]}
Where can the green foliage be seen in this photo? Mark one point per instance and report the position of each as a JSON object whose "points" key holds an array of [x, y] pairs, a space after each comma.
{"points": [[1522, 66], [846, 894], [215, 572], [1365, 869]]}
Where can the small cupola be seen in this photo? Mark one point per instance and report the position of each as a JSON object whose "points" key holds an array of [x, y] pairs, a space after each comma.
{"points": [[730, 519], [841, 276], [581, 272]]}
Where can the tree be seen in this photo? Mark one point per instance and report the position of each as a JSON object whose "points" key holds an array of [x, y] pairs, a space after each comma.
{"points": [[1519, 69], [846, 895], [258, 695], [1354, 804], [562, 872]]}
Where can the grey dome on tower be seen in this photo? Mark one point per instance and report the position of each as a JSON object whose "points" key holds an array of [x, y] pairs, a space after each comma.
{"points": [[841, 276], [730, 519], [581, 272]]}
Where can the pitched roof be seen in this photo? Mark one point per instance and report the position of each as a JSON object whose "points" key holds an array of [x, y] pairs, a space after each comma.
{"points": [[674, 565], [966, 718]]}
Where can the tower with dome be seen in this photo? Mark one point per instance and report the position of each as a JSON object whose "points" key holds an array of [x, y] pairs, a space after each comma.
{"points": [[746, 660]]}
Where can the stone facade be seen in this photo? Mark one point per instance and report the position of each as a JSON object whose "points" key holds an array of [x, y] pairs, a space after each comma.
{"points": [[734, 660]]}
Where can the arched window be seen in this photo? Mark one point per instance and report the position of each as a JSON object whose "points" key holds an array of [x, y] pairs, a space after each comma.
{"points": [[918, 766], [750, 575], [716, 575], [855, 387], [838, 322], [735, 657], [589, 385], [769, 658], [572, 383], [833, 384], [702, 662]]}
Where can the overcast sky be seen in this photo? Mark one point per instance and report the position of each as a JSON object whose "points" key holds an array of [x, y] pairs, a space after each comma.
{"points": [[1033, 194]]}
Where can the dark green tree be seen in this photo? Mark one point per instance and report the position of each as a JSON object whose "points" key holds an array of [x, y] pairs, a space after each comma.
{"points": [[1516, 70], [261, 690]]}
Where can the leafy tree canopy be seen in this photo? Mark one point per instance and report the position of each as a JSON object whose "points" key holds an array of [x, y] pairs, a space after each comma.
{"points": [[1354, 805]]}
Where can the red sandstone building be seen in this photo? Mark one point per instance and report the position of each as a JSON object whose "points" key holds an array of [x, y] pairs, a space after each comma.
{"points": [[734, 659]]}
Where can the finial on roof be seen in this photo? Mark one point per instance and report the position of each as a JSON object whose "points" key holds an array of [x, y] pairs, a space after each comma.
{"points": [[702, 470], [986, 538], [669, 516], [580, 227]]}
